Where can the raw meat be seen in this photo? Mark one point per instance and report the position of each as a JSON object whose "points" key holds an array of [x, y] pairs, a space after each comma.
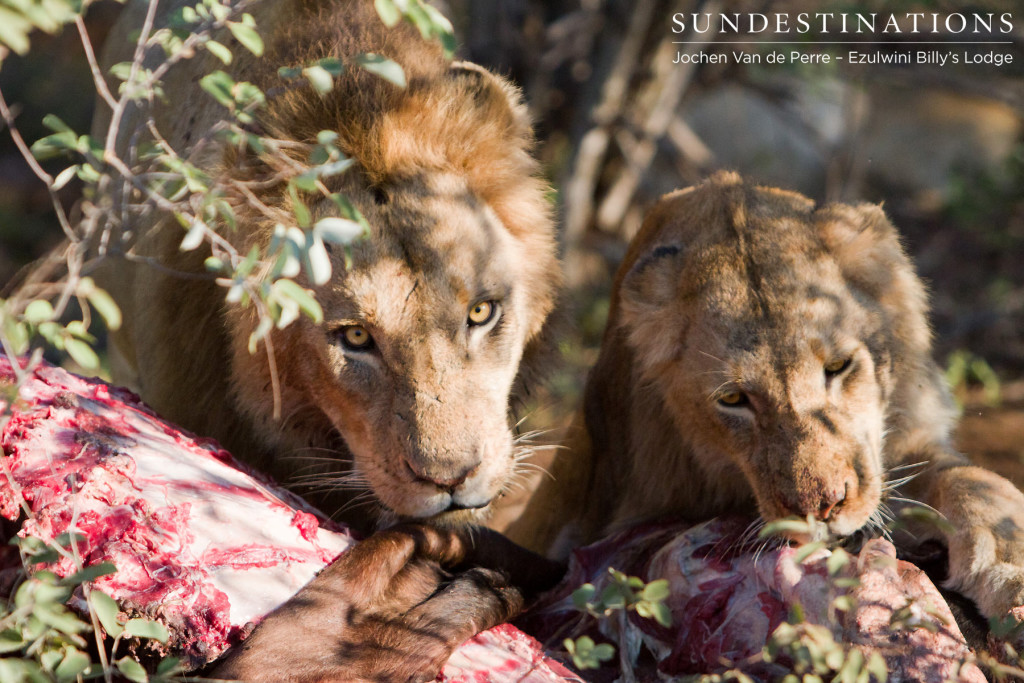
{"points": [[200, 543], [727, 598]]}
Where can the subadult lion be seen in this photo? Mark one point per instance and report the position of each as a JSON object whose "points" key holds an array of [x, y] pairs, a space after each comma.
{"points": [[400, 398], [766, 355]]}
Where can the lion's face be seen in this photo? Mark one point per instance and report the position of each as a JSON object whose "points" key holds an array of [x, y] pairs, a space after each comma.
{"points": [[775, 366], [421, 342], [426, 320]]}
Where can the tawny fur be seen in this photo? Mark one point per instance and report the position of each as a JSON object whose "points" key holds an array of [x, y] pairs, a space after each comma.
{"points": [[445, 176], [733, 288]]}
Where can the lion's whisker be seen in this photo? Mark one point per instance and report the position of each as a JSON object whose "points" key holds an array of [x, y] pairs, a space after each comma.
{"points": [[917, 503], [907, 466]]}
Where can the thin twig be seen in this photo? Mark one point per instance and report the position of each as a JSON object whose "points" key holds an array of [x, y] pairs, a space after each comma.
{"points": [[94, 67], [26, 153]]}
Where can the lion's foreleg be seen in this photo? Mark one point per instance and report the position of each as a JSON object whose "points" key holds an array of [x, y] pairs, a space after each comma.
{"points": [[983, 528]]}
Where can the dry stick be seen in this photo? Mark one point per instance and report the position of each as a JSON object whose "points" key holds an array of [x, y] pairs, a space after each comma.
{"points": [[579, 189], [94, 67], [619, 198], [689, 143], [8, 117], [271, 361], [74, 247], [122, 104]]}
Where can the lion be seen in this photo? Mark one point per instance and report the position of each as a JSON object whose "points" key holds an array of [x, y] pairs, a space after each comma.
{"points": [[403, 392], [770, 357], [396, 406]]}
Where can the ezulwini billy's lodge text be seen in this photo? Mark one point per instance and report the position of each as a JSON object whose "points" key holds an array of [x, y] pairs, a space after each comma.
{"points": [[904, 57]]}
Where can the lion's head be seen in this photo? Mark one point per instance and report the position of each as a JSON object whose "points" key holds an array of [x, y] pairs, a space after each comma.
{"points": [[428, 318], [781, 340]]}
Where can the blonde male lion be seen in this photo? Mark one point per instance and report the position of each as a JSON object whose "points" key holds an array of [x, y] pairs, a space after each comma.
{"points": [[400, 397], [407, 381], [770, 356]]}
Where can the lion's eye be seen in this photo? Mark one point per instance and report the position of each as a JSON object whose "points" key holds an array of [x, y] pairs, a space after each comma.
{"points": [[482, 312], [356, 338], [836, 367], [734, 399]]}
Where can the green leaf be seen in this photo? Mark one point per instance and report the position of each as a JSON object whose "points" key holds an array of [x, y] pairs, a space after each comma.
{"points": [[81, 353], [54, 145], [264, 326], [301, 211], [218, 84], [327, 137], [781, 527], [74, 662], [194, 237], [806, 550], [54, 123], [388, 12], [656, 591], [837, 561], [17, 334], [90, 573], [612, 597], [168, 666], [583, 595], [219, 51], [106, 610], [843, 603], [14, 30], [247, 36], [289, 72], [106, 306], [301, 296], [338, 230], [306, 181], [145, 628], [121, 71], [877, 667], [383, 67], [318, 262], [78, 329], [64, 177], [56, 616], [219, 11], [132, 670], [662, 614], [49, 659], [38, 311], [87, 173], [36, 550], [335, 167], [320, 78], [11, 640], [331, 65], [587, 655], [48, 589], [442, 28]]}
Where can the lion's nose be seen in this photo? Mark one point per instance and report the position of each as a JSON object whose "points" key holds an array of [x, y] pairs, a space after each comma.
{"points": [[831, 500], [822, 504], [445, 483]]}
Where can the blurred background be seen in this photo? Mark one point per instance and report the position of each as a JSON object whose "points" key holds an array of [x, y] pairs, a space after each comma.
{"points": [[619, 123]]}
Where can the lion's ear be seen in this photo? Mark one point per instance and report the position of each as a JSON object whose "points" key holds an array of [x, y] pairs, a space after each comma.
{"points": [[487, 87], [650, 313], [653, 278], [864, 243], [867, 248]]}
